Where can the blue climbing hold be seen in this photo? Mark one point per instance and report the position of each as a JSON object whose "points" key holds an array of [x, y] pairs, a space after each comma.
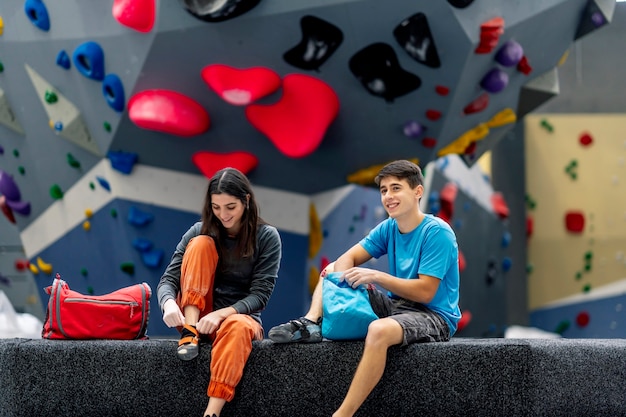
{"points": [[142, 245], [152, 259], [63, 60], [506, 239], [507, 263], [122, 161], [89, 60], [104, 183], [137, 217], [37, 13], [113, 91]]}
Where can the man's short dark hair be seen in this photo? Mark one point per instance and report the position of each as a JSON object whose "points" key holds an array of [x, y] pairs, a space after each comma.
{"points": [[402, 169]]}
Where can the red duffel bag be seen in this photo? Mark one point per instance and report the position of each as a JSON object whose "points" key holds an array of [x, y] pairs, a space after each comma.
{"points": [[122, 314]]}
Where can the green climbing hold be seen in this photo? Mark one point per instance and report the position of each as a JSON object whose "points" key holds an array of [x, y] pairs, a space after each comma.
{"points": [[73, 162], [90, 290], [588, 255], [587, 288], [21, 170], [128, 267], [92, 185], [114, 213], [16, 153], [1, 67], [562, 327], [107, 126], [579, 275], [529, 268], [51, 97], [56, 192], [83, 272], [546, 125]]}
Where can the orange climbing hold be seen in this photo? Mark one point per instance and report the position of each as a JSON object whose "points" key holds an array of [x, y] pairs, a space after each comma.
{"points": [[240, 87], [210, 162], [168, 112], [135, 14], [298, 122]]}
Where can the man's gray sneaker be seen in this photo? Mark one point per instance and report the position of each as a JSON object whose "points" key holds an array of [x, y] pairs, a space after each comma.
{"points": [[300, 330]]}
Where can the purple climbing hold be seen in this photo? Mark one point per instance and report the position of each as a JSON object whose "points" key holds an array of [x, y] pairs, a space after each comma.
{"points": [[495, 81], [8, 187], [1, 150], [21, 207], [510, 54], [597, 19], [413, 129]]}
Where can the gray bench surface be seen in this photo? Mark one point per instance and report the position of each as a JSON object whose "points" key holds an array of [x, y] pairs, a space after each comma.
{"points": [[463, 377]]}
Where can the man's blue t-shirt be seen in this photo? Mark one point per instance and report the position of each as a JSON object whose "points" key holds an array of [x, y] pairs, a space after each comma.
{"points": [[430, 249]]}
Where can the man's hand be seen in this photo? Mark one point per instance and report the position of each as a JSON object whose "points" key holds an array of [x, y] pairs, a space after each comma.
{"points": [[172, 316], [359, 276]]}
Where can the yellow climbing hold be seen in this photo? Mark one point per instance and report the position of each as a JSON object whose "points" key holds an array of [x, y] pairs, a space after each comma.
{"points": [[87, 225], [44, 267], [314, 276], [466, 139], [366, 176], [89, 213], [33, 269], [315, 233], [563, 58], [1, 26], [502, 118]]}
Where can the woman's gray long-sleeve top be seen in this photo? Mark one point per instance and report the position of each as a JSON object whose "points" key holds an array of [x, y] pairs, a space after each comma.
{"points": [[245, 284]]}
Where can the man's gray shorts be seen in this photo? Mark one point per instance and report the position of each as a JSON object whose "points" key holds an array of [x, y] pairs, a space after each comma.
{"points": [[419, 323]]}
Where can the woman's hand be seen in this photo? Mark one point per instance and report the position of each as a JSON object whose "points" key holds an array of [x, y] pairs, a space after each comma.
{"points": [[172, 316], [212, 321]]}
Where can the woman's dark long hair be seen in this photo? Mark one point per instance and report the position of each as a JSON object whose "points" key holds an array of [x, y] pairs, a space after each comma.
{"points": [[232, 182]]}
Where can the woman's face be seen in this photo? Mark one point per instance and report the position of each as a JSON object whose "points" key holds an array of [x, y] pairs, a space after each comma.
{"points": [[228, 210]]}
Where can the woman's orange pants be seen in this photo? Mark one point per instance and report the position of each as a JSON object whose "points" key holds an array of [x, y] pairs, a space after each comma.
{"points": [[232, 342]]}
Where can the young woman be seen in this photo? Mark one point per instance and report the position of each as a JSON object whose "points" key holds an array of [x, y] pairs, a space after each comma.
{"points": [[221, 276]]}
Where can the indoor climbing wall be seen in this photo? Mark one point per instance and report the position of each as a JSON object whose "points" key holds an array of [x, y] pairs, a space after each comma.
{"points": [[113, 113], [576, 208]]}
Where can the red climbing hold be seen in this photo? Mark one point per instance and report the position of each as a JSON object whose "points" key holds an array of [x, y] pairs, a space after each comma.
{"points": [[523, 66], [442, 90], [574, 221], [135, 14], [240, 87], [477, 105], [6, 210], [168, 112], [429, 142], [210, 162], [490, 32], [21, 264], [585, 139], [462, 261], [433, 114], [582, 319], [499, 205], [466, 317], [530, 226], [297, 123], [447, 195]]}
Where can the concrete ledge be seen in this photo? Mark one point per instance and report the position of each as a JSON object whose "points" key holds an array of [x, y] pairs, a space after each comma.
{"points": [[464, 377]]}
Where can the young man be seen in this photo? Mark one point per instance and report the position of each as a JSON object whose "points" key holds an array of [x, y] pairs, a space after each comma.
{"points": [[422, 283]]}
